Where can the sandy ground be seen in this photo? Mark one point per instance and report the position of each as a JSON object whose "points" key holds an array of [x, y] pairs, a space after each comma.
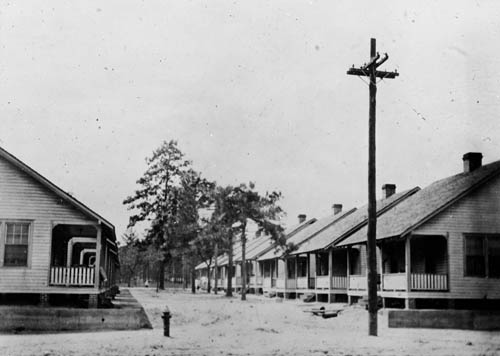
{"points": [[215, 325]]}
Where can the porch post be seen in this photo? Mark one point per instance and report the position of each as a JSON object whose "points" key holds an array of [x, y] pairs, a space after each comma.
{"points": [[380, 266], [408, 302], [308, 269], [106, 260], [330, 274], [296, 269], [349, 301], [286, 276], [98, 256]]}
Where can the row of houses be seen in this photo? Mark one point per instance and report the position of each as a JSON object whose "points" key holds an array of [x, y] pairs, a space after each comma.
{"points": [[53, 248], [437, 247]]}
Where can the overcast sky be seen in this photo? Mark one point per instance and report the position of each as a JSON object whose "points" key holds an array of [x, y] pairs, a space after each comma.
{"points": [[252, 90]]}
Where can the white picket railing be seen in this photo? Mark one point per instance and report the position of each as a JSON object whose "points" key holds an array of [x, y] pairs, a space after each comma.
{"points": [[267, 282], [291, 283], [72, 276], [339, 282], [427, 281], [280, 283], [301, 282]]}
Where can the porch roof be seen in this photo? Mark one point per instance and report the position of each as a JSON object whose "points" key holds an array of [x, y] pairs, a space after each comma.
{"points": [[270, 244], [426, 204], [257, 246], [254, 250], [307, 233], [351, 223]]}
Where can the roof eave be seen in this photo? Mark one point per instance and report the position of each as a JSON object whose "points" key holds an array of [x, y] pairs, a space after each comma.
{"points": [[54, 188]]}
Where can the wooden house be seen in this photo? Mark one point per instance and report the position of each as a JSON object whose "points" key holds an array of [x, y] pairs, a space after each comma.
{"points": [[257, 246], [52, 247], [292, 277], [336, 273], [440, 248]]}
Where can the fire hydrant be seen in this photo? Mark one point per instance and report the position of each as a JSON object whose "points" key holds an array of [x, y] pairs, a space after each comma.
{"points": [[166, 322]]}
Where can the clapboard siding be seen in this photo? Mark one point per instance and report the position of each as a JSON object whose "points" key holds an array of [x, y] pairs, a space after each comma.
{"points": [[478, 212], [23, 198]]}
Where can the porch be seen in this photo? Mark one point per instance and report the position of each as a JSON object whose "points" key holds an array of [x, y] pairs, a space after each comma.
{"points": [[416, 264], [268, 274], [82, 256]]}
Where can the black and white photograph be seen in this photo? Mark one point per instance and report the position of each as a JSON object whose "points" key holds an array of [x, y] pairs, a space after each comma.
{"points": [[237, 178]]}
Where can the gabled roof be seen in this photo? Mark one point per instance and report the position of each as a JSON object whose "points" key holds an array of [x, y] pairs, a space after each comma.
{"points": [[256, 246], [268, 243], [352, 223], [53, 188], [427, 203], [307, 233], [271, 244]]}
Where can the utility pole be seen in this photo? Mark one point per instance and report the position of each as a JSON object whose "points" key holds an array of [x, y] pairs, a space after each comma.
{"points": [[370, 70]]}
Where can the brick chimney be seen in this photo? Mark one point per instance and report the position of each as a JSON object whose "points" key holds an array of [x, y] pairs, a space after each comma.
{"points": [[472, 161], [388, 190], [337, 208], [302, 218]]}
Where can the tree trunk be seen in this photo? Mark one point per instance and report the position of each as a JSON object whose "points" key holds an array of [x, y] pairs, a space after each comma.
{"points": [[193, 277], [229, 291], [243, 264], [184, 276], [209, 284], [161, 273], [216, 252]]}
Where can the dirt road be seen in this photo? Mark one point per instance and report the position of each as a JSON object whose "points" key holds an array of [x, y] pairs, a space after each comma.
{"points": [[215, 325]]}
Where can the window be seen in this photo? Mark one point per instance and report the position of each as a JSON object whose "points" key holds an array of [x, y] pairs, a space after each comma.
{"points": [[494, 256], [474, 256], [482, 256], [16, 244]]}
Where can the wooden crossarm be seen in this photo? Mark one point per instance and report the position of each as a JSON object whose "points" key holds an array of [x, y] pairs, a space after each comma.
{"points": [[378, 73]]}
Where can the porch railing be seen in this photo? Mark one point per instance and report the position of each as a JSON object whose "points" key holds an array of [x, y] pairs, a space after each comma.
{"points": [[301, 282], [273, 282], [427, 281], [72, 276], [266, 283], [394, 281], [322, 282], [253, 280], [291, 283], [357, 282], [280, 283], [339, 282], [259, 281]]}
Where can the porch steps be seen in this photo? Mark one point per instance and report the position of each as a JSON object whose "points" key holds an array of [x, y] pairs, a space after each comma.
{"points": [[309, 298], [363, 302]]}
